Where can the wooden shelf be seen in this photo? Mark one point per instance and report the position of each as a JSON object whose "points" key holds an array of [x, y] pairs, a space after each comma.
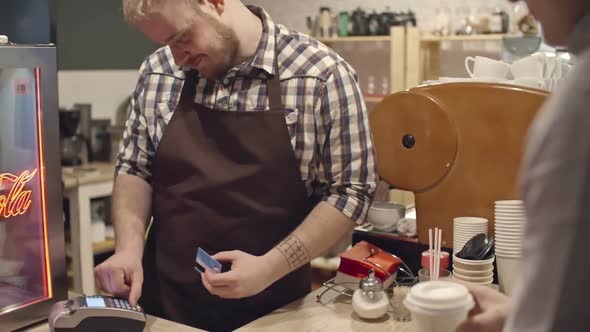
{"points": [[355, 39], [426, 38], [388, 235], [462, 38], [97, 248], [103, 247]]}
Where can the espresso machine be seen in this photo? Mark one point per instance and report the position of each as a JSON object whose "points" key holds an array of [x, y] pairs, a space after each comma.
{"points": [[75, 131], [458, 147]]}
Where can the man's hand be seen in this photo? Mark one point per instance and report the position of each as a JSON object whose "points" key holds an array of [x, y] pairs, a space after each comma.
{"points": [[490, 312], [121, 275], [249, 275]]}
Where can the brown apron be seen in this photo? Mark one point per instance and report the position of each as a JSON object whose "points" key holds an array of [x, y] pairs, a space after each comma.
{"points": [[222, 180]]}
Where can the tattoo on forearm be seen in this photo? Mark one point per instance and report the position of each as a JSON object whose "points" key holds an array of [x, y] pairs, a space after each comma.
{"points": [[294, 251]]}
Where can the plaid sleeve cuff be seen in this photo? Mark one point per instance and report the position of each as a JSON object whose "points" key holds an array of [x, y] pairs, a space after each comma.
{"points": [[131, 168], [353, 202], [136, 150]]}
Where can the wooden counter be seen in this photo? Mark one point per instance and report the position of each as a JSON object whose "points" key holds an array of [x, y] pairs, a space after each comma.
{"points": [[300, 316], [309, 315], [154, 324], [90, 173]]}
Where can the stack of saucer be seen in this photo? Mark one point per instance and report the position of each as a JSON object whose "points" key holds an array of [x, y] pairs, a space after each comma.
{"points": [[464, 228], [509, 229], [476, 272]]}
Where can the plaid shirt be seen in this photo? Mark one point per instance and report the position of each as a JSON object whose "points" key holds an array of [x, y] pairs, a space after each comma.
{"points": [[325, 113]]}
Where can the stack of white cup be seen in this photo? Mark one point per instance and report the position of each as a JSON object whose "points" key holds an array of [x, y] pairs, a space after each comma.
{"points": [[476, 272], [464, 228], [509, 229], [438, 306]]}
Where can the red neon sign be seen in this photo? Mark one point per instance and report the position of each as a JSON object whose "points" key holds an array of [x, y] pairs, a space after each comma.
{"points": [[18, 200]]}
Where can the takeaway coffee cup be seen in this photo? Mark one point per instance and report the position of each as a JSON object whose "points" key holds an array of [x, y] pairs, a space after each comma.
{"points": [[486, 68], [438, 306]]}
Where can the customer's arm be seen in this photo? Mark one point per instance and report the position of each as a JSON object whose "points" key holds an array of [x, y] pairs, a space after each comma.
{"points": [[348, 167], [554, 278]]}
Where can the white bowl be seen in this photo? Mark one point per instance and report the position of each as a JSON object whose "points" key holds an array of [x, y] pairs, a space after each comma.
{"points": [[386, 215]]}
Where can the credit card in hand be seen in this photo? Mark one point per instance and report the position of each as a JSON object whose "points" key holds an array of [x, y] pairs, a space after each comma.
{"points": [[204, 261]]}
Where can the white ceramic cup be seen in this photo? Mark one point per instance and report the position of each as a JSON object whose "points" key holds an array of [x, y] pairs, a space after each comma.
{"points": [[438, 306], [486, 68], [385, 216], [529, 67]]}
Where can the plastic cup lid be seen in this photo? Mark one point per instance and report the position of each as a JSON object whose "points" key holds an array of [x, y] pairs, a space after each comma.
{"points": [[436, 296]]}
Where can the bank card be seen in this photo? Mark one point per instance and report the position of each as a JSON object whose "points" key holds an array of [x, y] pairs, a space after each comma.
{"points": [[204, 261]]}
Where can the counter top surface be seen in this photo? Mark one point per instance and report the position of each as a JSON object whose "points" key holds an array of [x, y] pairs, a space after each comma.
{"points": [[301, 316], [336, 315], [154, 324], [88, 173]]}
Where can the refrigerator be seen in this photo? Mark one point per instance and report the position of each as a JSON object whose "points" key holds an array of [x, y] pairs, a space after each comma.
{"points": [[32, 255]]}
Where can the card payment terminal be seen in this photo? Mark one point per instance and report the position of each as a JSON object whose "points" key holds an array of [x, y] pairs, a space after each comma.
{"points": [[96, 313]]}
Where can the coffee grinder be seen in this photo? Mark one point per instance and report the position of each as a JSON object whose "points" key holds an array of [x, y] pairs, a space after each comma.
{"points": [[74, 129]]}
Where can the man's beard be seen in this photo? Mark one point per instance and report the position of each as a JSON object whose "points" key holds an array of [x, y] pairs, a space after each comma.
{"points": [[224, 58]]}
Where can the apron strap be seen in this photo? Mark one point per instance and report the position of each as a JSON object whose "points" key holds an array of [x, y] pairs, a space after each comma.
{"points": [[275, 102], [187, 97]]}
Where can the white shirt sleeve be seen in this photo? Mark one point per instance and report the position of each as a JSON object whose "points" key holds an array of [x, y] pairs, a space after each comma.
{"points": [[555, 283]]}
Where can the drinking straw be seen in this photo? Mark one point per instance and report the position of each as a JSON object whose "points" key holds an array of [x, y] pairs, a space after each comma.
{"points": [[436, 261], [430, 253]]}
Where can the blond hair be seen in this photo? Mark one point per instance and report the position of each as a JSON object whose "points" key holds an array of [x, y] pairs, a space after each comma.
{"points": [[135, 11]]}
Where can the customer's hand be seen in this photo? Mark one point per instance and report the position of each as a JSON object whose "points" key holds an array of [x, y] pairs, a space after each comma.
{"points": [[121, 275], [490, 311], [249, 275]]}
